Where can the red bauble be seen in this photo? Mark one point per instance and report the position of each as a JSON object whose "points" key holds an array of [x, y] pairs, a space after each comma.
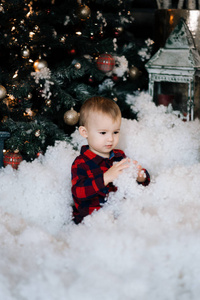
{"points": [[105, 63], [13, 159]]}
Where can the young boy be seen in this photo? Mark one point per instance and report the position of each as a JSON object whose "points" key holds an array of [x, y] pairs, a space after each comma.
{"points": [[93, 170]]}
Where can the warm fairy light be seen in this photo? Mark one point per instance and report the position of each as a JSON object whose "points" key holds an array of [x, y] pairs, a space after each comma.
{"points": [[13, 28], [30, 9], [16, 74], [31, 34], [78, 33]]}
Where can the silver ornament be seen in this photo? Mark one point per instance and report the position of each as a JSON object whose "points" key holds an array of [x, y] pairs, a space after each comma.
{"points": [[3, 92], [25, 52]]}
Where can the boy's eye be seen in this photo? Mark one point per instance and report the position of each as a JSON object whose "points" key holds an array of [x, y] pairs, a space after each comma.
{"points": [[116, 132], [102, 132]]}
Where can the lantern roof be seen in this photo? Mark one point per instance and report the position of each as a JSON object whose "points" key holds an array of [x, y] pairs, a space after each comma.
{"points": [[179, 52]]}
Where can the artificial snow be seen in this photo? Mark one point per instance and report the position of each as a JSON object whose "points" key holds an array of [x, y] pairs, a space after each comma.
{"points": [[143, 244]]}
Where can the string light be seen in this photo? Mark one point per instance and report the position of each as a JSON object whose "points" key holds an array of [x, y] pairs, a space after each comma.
{"points": [[31, 34], [78, 33], [16, 74]]}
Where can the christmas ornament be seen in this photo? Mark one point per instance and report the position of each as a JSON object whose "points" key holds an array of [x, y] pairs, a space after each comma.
{"points": [[134, 73], [13, 159], [37, 133], [3, 92], [77, 66], [105, 62], [71, 117], [39, 64], [25, 52], [83, 12]]}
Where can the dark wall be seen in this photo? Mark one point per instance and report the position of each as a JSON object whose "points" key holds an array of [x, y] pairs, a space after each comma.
{"points": [[144, 19]]}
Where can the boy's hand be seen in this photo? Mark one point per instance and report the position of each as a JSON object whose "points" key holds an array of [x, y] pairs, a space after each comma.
{"points": [[141, 174], [115, 170]]}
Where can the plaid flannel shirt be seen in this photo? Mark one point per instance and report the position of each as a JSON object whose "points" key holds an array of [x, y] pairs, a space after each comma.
{"points": [[88, 189]]}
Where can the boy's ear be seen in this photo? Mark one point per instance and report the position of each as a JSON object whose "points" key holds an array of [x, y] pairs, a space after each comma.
{"points": [[83, 131]]}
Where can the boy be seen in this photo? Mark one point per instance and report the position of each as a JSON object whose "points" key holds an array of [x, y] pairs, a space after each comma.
{"points": [[93, 170]]}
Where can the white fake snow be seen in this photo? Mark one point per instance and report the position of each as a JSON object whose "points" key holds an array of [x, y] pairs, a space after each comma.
{"points": [[143, 244]]}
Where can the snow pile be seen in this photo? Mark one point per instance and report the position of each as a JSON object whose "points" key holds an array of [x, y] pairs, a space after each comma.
{"points": [[143, 244]]}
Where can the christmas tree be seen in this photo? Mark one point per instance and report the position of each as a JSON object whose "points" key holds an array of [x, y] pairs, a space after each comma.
{"points": [[54, 55]]}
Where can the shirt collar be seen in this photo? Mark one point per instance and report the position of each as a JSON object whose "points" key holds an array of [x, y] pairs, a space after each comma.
{"points": [[91, 155]]}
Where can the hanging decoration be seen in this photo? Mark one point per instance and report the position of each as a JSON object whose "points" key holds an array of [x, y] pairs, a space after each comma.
{"points": [[25, 52], [134, 73], [3, 92], [13, 159], [37, 133], [71, 117], [105, 62], [83, 12], [40, 64]]}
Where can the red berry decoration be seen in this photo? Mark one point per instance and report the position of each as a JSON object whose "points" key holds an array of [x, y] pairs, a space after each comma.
{"points": [[105, 63], [13, 159]]}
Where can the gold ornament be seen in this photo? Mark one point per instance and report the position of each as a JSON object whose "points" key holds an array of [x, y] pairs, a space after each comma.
{"points": [[3, 92], [77, 66], [71, 117], [40, 64], [134, 73], [25, 52], [83, 12]]}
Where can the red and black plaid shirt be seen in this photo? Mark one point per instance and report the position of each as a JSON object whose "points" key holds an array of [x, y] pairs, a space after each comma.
{"points": [[88, 189]]}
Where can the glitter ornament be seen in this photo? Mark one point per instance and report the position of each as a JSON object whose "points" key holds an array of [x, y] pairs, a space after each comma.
{"points": [[83, 12], [105, 62], [71, 117], [39, 64], [134, 73], [3, 92]]}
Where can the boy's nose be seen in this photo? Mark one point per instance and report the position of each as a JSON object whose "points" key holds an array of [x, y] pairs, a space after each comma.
{"points": [[110, 137]]}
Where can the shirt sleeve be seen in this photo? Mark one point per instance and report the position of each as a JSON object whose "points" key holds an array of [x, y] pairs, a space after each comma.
{"points": [[85, 187]]}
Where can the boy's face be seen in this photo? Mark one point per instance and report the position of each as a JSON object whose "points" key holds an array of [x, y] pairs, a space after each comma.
{"points": [[102, 133]]}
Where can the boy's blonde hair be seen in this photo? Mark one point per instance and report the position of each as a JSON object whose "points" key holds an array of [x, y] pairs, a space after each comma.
{"points": [[101, 105]]}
